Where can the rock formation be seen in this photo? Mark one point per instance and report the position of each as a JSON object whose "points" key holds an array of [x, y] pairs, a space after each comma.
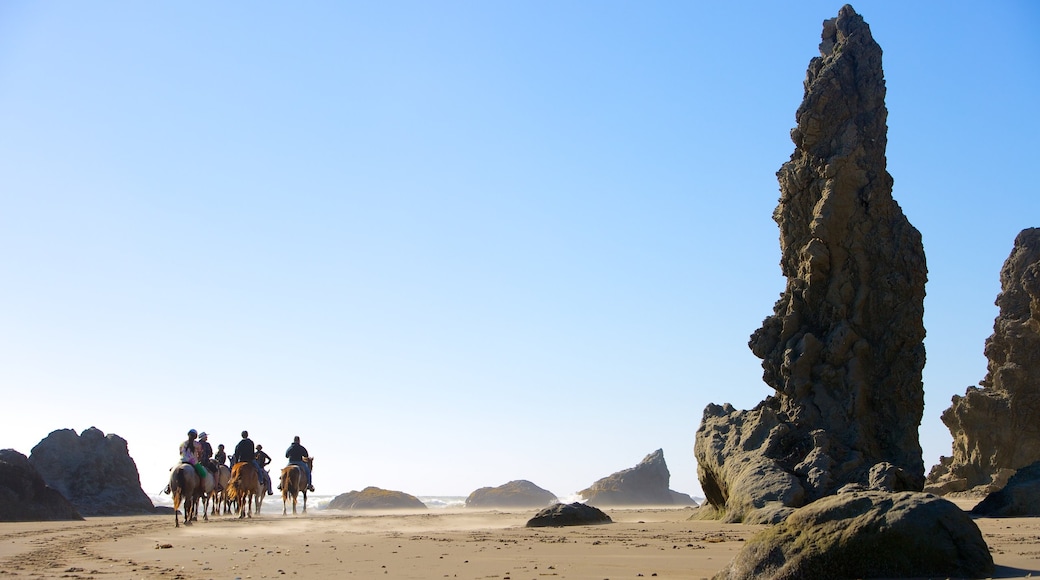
{"points": [[374, 498], [25, 497], [644, 484], [867, 535], [93, 470], [573, 514], [515, 494], [1019, 498], [844, 348], [995, 428]]}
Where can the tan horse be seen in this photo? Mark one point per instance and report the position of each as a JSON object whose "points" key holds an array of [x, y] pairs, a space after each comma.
{"points": [[184, 484], [204, 493], [221, 505], [244, 487], [291, 482]]}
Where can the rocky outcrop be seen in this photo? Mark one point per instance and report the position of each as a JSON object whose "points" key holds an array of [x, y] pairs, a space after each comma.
{"points": [[515, 494], [25, 497], [573, 514], [867, 535], [844, 348], [93, 470], [374, 498], [995, 429], [644, 484], [1019, 498]]}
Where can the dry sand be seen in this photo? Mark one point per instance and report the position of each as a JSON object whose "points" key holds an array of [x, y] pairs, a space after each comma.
{"points": [[442, 543]]}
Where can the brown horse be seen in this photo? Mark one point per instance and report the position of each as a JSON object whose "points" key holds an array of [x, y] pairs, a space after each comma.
{"points": [[220, 500], [244, 487], [291, 482], [184, 485]]}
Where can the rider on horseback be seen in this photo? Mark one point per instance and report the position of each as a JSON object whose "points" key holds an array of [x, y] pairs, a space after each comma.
{"points": [[296, 453], [245, 451], [206, 458], [189, 451], [264, 460]]}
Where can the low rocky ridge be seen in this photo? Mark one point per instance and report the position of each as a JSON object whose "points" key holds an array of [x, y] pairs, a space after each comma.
{"points": [[572, 514], [1019, 498], [374, 498], [843, 350], [25, 496], [645, 484], [995, 428], [867, 535], [515, 494], [93, 470]]}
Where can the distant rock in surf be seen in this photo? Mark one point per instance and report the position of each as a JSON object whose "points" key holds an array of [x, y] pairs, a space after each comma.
{"points": [[515, 494], [573, 514], [843, 350], [25, 496], [374, 498], [867, 535], [645, 484], [995, 429], [93, 470]]}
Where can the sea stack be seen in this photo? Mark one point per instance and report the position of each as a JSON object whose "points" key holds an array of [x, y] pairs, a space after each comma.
{"points": [[844, 348], [995, 430]]}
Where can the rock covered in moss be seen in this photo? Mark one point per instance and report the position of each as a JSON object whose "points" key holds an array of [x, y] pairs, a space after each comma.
{"points": [[515, 494], [867, 534], [374, 498], [572, 514]]}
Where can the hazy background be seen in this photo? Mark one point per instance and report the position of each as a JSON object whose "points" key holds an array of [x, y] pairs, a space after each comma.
{"points": [[452, 244]]}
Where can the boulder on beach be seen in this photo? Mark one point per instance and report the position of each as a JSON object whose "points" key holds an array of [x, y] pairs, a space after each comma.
{"points": [[867, 535], [1019, 498], [843, 351], [25, 496], [515, 494], [994, 427], [93, 470], [572, 514], [644, 484], [374, 498]]}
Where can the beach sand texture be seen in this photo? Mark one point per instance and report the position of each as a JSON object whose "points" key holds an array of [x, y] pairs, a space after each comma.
{"points": [[449, 543]]}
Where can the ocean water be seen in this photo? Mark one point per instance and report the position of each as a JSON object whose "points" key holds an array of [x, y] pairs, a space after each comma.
{"points": [[320, 502]]}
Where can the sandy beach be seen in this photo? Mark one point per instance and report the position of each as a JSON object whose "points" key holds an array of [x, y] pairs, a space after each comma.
{"points": [[443, 543]]}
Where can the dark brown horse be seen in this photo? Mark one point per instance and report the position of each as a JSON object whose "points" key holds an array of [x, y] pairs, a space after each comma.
{"points": [[244, 487], [292, 483], [184, 485]]}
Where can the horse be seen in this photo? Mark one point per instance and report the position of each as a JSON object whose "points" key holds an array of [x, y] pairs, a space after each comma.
{"points": [[184, 484], [204, 493], [290, 482], [220, 501], [244, 487], [259, 498]]}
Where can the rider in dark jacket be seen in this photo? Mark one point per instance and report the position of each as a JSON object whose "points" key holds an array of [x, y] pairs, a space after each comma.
{"points": [[296, 453], [245, 451]]}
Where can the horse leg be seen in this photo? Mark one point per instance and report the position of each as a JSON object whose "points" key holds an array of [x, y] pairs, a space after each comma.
{"points": [[305, 500]]}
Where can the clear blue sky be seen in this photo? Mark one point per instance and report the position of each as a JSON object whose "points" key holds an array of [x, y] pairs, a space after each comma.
{"points": [[452, 244]]}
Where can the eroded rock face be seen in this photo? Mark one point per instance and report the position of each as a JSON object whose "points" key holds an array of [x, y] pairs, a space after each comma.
{"points": [[867, 535], [93, 470], [1019, 498], [374, 498], [25, 497], [515, 494], [995, 428], [844, 347], [644, 484]]}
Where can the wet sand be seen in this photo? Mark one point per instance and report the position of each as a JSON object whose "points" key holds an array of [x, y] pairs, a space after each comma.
{"points": [[442, 543]]}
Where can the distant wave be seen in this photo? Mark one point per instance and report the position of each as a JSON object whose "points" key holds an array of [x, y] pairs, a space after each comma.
{"points": [[320, 502]]}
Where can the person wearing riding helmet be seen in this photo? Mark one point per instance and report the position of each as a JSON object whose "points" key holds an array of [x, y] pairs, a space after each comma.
{"points": [[189, 453], [296, 453], [264, 460]]}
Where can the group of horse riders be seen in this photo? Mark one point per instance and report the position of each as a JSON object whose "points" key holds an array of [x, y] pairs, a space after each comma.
{"points": [[198, 452]]}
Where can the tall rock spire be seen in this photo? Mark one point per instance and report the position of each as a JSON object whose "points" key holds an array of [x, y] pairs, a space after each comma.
{"points": [[844, 347], [995, 429]]}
